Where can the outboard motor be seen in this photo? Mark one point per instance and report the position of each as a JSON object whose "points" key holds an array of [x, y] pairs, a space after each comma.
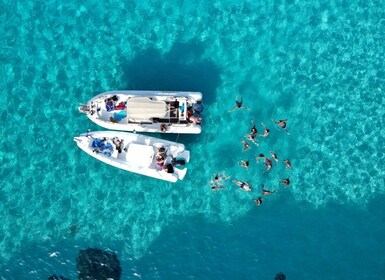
{"points": [[178, 162]]}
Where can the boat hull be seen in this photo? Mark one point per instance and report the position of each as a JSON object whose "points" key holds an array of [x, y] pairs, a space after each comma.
{"points": [[175, 120], [138, 153]]}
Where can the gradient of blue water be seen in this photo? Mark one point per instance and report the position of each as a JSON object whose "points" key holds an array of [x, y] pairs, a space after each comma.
{"points": [[318, 64]]}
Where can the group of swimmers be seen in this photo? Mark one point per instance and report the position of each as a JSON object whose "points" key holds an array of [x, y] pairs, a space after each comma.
{"points": [[252, 136]]}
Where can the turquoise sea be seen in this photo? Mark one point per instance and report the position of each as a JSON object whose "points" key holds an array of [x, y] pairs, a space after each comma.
{"points": [[320, 64]]}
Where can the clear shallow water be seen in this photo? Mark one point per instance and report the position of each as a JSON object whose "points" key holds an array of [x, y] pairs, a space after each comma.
{"points": [[320, 65]]}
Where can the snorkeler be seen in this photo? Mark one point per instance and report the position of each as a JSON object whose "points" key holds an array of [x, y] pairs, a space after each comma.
{"points": [[287, 163], [239, 105], [242, 184], [285, 181], [282, 124], [244, 163], [266, 192]]}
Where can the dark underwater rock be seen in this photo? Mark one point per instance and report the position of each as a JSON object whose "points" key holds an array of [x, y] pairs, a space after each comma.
{"points": [[97, 264], [72, 230], [280, 276], [55, 277]]}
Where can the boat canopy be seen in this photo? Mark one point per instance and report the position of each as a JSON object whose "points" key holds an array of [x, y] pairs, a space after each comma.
{"points": [[140, 155], [144, 108]]}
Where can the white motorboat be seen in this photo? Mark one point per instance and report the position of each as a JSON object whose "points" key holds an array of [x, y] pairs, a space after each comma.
{"points": [[149, 156], [147, 111]]}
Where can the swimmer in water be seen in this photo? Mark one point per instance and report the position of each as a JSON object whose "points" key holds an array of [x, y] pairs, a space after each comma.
{"points": [[259, 156], [252, 138], [285, 181], [287, 163], [266, 192], [246, 146], [217, 188], [238, 105], [282, 124], [254, 130], [266, 132], [258, 200], [268, 163], [274, 155], [243, 185], [244, 163]]}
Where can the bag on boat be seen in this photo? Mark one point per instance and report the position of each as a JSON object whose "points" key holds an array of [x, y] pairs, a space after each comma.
{"points": [[98, 143]]}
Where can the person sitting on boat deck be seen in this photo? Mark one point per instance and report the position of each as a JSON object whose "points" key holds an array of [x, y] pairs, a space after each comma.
{"points": [[243, 185], [161, 150], [118, 144], [195, 118], [244, 163], [287, 163], [168, 168], [274, 155], [266, 192], [160, 159], [238, 105], [285, 181], [163, 127], [266, 132], [110, 103], [282, 124], [258, 200], [246, 145]]}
